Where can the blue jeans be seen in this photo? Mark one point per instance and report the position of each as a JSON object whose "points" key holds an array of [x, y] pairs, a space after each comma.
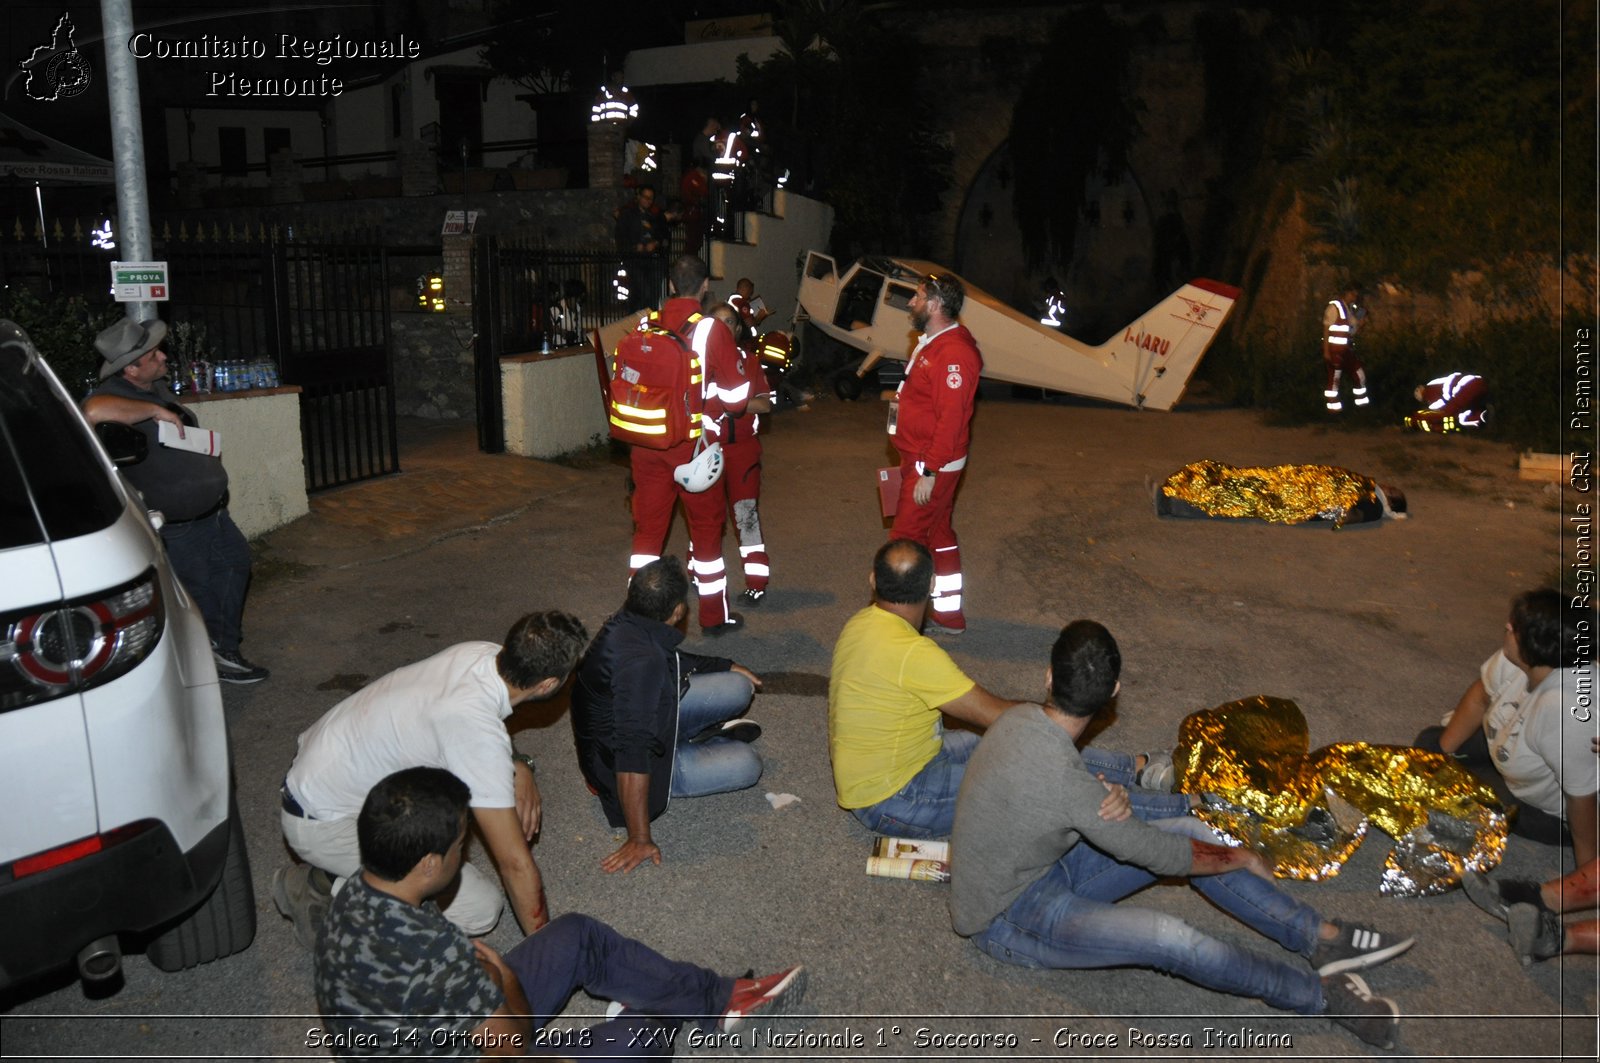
{"points": [[716, 765], [1069, 918], [925, 807], [577, 952], [212, 561]]}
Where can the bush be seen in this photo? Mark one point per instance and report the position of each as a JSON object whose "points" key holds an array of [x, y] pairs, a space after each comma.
{"points": [[63, 329], [1519, 359]]}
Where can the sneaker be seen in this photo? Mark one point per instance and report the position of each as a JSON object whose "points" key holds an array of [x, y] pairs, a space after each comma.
{"points": [[303, 893], [1158, 772], [615, 1008], [1352, 1005], [735, 622], [1356, 948], [232, 668], [738, 730], [1496, 897], [752, 597], [776, 994], [933, 627], [1536, 933]]}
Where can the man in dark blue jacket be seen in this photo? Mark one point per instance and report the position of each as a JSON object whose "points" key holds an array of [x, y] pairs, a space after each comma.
{"points": [[653, 722]]}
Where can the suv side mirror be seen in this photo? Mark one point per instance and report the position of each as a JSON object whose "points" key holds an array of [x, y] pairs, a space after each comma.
{"points": [[124, 444]]}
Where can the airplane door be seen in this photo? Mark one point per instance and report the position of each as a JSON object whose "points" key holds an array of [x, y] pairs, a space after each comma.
{"points": [[858, 300]]}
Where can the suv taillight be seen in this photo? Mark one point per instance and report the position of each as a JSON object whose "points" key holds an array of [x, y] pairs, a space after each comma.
{"points": [[48, 651]]}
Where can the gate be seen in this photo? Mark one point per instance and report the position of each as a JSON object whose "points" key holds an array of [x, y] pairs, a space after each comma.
{"points": [[527, 295], [330, 325]]}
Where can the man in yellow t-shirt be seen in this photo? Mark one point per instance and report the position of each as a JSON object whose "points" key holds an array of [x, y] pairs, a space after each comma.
{"points": [[895, 768]]}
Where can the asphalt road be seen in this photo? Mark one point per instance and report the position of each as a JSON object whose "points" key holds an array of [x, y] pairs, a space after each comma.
{"points": [[1373, 631]]}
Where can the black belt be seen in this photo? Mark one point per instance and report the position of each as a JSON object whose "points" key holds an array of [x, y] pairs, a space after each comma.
{"points": [[290, 805], [213, 511]]}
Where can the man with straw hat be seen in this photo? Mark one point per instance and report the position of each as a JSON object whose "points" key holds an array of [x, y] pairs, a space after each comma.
{"points": [[206, 548]]}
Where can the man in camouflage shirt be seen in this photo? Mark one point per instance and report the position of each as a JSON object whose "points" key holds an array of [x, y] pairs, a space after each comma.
{"points": [[395, 977]]}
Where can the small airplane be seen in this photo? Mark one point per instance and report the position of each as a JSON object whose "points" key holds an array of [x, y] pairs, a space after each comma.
{"points": [[1146, 365]]}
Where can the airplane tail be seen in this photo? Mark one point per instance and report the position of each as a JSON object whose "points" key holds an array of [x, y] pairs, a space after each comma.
{"points": [[1156, 354]]}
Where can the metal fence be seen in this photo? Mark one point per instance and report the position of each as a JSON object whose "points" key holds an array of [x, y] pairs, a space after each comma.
{"points": [[318, 311]]}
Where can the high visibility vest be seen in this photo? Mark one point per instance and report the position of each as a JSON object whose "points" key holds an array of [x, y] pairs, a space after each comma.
{"points": [[1340, 331], [1449, 387]]}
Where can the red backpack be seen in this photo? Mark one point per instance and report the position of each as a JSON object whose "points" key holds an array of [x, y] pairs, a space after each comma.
{"points": [[656, 391]]}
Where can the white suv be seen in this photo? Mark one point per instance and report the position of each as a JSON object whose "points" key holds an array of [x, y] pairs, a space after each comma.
{"points": [[117, 825]]}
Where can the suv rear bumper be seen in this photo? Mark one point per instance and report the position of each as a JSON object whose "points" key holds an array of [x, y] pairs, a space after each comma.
{"points": [[132, 888]]}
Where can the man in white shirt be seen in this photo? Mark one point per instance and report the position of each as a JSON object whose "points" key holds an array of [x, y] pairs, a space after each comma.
{"points": [[447, 711]]}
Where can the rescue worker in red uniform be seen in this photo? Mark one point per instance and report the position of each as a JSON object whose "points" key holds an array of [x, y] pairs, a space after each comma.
{"points": [[726, 393], [1341, 320], [930, 424], [741, 466], [1451, 403], [752, 311]]}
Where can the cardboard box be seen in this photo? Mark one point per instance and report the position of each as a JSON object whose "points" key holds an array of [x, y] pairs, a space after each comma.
{"points": [[1550, 468], [199, 440]]}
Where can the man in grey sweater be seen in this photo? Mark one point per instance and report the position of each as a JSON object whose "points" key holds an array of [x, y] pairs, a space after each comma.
{"points": [[1036, 871]]}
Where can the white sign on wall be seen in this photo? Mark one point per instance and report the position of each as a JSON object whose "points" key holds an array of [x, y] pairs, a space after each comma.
{"points": [[139, 282]]}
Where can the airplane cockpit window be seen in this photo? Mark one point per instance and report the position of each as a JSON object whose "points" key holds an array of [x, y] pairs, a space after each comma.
{"points": [[858, 300], [898, 296], [819, 267]]}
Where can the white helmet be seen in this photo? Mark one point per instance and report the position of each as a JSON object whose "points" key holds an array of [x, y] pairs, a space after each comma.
{"points": [[700, 472]]}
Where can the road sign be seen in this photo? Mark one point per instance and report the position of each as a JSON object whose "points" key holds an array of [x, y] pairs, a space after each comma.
{"points": [[139, 282]]}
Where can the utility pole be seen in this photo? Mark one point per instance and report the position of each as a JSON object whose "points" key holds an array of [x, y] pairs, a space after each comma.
{"points": [[127, 141]]}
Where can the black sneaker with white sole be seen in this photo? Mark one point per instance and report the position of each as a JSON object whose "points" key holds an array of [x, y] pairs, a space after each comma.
{"points": [[1356, 948], [735, 622], [752, 597], [1353, 1005], [233, 668], [738, 730]]}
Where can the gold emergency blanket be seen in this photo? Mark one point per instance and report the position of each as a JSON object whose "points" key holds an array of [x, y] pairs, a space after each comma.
{"points": [[1306, 811], [1282, 494]]}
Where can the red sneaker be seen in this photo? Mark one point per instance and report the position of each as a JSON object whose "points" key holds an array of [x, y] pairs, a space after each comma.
{"points": [[776, 994]]}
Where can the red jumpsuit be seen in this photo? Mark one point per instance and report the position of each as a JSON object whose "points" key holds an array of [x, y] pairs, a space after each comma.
{"points": [[655, 491], [1451, 403], [741, 481], [932, 427], [1340, 323]]}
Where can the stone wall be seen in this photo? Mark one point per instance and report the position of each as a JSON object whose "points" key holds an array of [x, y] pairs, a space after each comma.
{"points": [[566, 217], [432, 359]]}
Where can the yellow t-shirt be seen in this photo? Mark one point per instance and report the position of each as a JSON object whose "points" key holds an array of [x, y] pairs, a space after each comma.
{"points": [[884, 694]]}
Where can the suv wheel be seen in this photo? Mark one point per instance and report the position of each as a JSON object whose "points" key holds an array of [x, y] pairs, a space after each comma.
{"points": [[224, 924]]}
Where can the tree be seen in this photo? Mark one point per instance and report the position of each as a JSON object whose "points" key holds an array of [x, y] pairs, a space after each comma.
{"points": [[1074, 115], [827, 102], [551, 47], [1438, 145]]}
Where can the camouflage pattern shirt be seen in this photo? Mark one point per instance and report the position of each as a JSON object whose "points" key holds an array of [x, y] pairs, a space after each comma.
{"points": [[393, 979]]}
